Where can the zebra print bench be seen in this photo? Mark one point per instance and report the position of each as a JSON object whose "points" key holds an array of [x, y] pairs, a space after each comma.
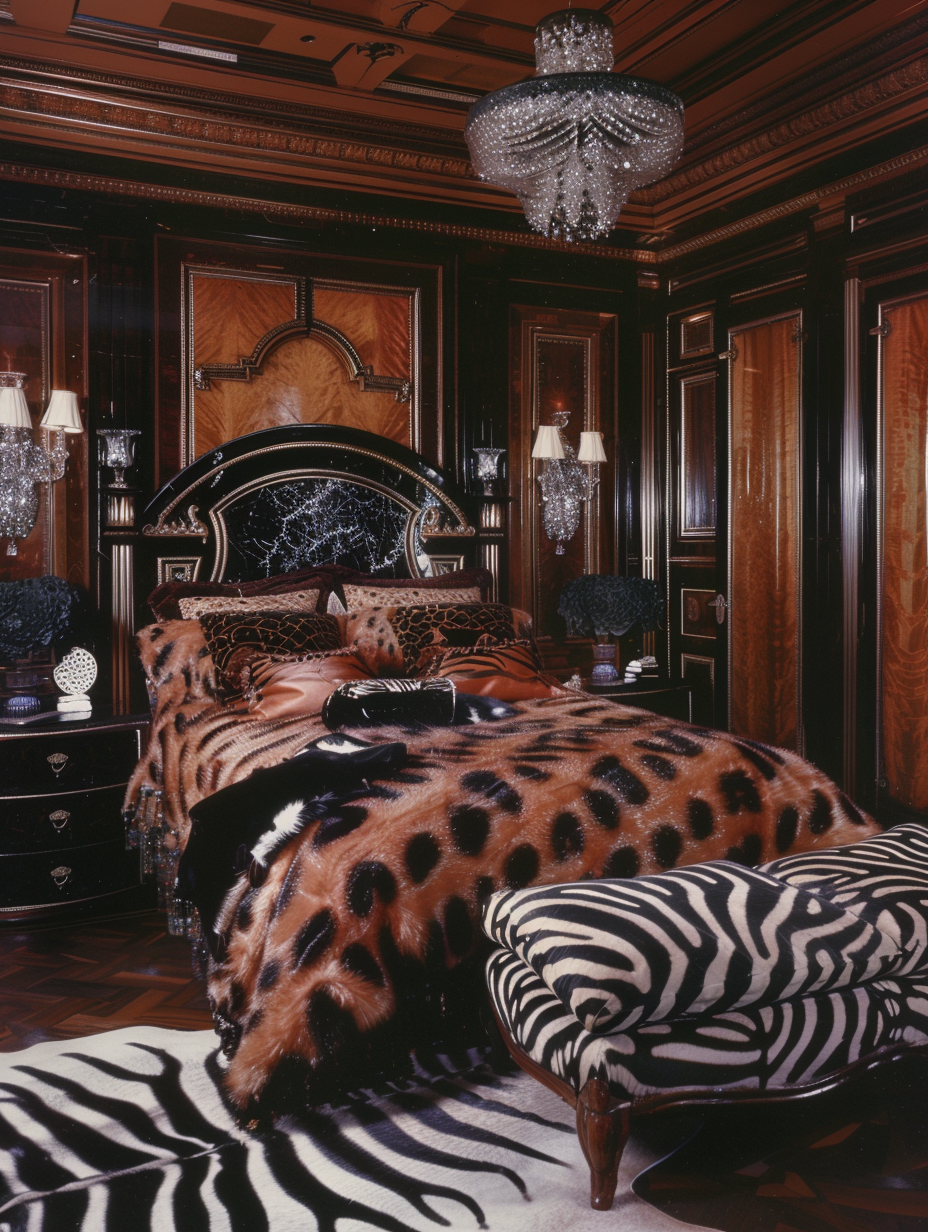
{"points": [[713, 983]]}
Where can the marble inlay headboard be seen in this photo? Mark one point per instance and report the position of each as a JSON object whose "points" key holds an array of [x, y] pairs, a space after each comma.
{"points": [[307, 494]]}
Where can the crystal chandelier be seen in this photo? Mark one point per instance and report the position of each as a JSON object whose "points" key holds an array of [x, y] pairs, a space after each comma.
{"points": [[569, 477], [23, 463], [575, 140]]}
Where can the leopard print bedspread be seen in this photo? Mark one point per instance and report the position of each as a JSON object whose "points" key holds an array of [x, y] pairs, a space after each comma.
{"points": [[346, 939]]}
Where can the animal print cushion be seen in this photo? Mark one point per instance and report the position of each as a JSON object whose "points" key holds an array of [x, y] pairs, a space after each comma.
{"points": [[235, 640], [291, 601], [511, 671], [477, 584], [282, 687], [394, 641], [791, 1043], [369, 596], [165, 599], [708, 939], [883, 880]]}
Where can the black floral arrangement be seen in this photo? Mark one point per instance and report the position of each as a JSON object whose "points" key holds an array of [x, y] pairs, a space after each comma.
{"points": [[601, 603], [34, 613]]}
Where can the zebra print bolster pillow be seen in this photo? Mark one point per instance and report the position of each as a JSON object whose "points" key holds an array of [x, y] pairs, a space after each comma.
{"points": [[706, 939]]}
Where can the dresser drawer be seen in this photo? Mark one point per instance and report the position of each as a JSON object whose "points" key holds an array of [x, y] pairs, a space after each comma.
{"points": [[53, 877], [68, 819], [65, 761]]}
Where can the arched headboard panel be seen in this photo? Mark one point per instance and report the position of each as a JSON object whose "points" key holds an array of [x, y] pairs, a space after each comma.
{"points": [[307, 494]]}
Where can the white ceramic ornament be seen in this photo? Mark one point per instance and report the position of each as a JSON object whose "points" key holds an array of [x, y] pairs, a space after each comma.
{"points": [[74, 675]]}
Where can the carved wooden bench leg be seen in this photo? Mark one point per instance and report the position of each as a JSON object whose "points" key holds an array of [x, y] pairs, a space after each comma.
{"points": [[602, 1127]]}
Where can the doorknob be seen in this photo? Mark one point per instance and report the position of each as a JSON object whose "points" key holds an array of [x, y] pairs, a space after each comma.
{"points": [[720, 604]]}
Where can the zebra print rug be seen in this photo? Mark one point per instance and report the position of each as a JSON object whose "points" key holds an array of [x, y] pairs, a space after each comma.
{"points": [[130, 1130]]}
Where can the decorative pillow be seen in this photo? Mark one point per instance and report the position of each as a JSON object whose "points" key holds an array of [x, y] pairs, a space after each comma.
{"points": [[357, 597], [378, 703], [707, 939], [164, 599], [396, 591], [291, 601], [235, 640], [510, 671], [280, 688], [391, 641]]}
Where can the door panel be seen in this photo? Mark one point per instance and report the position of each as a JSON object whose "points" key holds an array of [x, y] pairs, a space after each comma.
{"points": [[764, 535], [902, 458]]}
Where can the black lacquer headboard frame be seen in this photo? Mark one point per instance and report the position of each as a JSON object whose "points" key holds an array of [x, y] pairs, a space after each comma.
{"points": [[307, 494]]}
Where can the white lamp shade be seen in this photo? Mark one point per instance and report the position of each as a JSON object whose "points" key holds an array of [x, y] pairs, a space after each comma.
{"points": [[591, 447], [548, 443], [63, 414], [14, 410]]}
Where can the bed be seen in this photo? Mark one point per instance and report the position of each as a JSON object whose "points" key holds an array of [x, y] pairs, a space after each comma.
{"points": [[340, 886]]}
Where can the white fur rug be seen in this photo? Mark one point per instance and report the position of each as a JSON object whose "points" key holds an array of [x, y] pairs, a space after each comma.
{"points": [[129, 1131]]}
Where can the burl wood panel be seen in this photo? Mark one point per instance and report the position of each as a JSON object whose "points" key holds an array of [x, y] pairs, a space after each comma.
{"points": [[379, 325], [230, 314], [303, 381], [905, 554], [765, 532]]}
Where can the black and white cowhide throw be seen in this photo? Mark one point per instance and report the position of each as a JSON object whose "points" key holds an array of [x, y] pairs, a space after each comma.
{"points": [[131, 1131]]}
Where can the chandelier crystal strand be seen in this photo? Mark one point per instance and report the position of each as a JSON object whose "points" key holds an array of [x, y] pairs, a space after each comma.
{"points": [[574, 141]]}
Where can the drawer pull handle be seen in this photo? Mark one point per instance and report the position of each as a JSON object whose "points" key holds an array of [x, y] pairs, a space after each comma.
{"points": [[57, 761], [60, 875], [59, 818]]}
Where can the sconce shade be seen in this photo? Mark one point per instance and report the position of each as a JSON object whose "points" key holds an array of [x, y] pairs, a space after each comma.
{"points": [[591, 448], [62, 414], [14, 410], [548, 443]]}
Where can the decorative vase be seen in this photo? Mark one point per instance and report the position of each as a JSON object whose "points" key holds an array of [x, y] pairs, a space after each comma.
{"points": [[604, 669], [486, 467], [118, 452]]}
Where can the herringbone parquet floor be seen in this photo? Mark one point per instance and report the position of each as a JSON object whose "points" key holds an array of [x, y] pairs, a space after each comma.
{"points": [[59, 983]]}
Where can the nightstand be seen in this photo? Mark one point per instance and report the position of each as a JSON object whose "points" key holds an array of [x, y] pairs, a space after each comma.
{"points": [[62, 843], [675, 701]]}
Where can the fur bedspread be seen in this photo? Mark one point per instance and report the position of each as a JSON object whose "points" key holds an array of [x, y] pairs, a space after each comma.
{"points": [[358, 942]]}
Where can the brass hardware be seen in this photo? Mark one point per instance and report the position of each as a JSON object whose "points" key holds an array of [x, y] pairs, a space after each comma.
{"points": [[57, 761], [883, 330], [60, 875], [59, 818]]}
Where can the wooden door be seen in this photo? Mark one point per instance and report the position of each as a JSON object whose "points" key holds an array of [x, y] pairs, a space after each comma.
{"points": [[734, 525]]}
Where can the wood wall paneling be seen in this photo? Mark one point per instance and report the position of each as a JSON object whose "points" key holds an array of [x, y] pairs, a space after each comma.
{"points": [[559, 361], [26, 346], [42, 333], [764, 532], [341, 340], [904, 551]]}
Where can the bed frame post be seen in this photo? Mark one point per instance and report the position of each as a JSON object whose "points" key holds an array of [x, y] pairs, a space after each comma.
{"points": [[602, 1127]]}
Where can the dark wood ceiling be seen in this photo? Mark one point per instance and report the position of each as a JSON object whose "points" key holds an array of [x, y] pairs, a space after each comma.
{"points": [[371, 95]]}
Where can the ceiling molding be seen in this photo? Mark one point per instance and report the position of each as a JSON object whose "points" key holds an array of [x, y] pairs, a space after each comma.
{"points": [[796, 205], [109, 186], [851, 105]]}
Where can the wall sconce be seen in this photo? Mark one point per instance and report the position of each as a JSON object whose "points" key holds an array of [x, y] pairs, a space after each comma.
{"points": [[569, 477], [24, 464]]}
